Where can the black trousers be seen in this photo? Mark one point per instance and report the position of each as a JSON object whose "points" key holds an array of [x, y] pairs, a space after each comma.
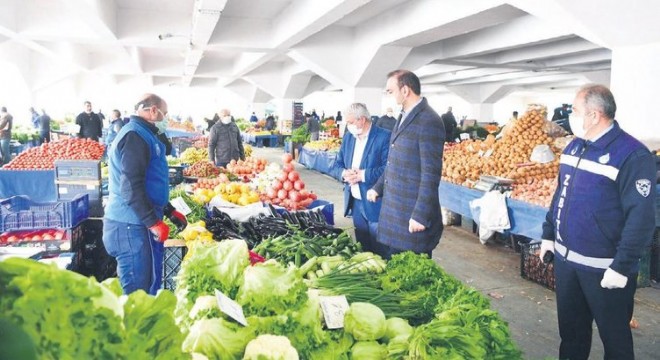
{"points": [[580, 301]]}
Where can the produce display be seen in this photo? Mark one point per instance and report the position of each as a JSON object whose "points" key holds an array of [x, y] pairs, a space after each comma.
{"points": [[201, 142], [27, 237], [331, 144], [283, 313], [185, 125], [44, 156], [237, 193], [69, 316], [537, 192], [198, 212], [192, 155], [247, 169], [211, 183], [201, 169], [509, 157], [247, 149], [288, 190]]}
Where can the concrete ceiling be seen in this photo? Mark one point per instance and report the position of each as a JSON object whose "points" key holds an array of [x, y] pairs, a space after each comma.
{"points": [[286, 48]]}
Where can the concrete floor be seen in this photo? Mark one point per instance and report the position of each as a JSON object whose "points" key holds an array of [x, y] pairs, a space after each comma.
{"points": [[494, 270]]}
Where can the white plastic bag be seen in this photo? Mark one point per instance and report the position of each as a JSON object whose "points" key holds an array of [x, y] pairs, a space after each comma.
{"points": [[492, 213], [542, 154]]}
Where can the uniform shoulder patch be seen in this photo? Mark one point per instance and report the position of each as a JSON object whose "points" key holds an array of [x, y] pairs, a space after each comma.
{"points": [[643, 187]]}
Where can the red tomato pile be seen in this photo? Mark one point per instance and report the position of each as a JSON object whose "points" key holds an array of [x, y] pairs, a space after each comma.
{"points": [[9, 238], [44, 156], [246, 169], [288, 190]]}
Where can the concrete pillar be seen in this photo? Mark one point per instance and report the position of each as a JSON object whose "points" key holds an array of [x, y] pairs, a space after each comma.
{"points": [[372, 97], [482, 112], [635, 75]]}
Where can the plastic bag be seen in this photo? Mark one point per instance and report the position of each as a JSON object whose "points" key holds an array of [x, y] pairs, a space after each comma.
{"points": [[492, 213], [542, 154], [553, 130]]}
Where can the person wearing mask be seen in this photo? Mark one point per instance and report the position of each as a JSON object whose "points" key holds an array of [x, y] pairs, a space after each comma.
{"points": [[450, 124], [133, 227], [387, 121], [6, 123], [601, 219], [34, 116], [362, 158], [44, 127], [410, 217], [116, 123], [225, 143], [91, 126]]}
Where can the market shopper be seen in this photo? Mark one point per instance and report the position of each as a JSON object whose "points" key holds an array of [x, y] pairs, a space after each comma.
{"points": [[362, 158], [6, 123], [387, 121], [44, 127], [313, 126], [410, 217], [34, 116], [225, 143], [601, 219], [449, 120], [133, 227], [116, 123], [91, 126]]}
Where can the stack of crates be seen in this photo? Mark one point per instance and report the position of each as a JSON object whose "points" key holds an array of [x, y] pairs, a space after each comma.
{"points": [[75, 177], [175, 251]]}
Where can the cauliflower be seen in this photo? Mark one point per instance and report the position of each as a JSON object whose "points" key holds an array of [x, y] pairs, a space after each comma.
{"points": [[270, 347]]}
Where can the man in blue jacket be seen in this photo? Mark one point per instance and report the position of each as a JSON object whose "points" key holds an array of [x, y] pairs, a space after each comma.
{"points": [[410, 219], [133, 227], [362, 156], [601, 219]]}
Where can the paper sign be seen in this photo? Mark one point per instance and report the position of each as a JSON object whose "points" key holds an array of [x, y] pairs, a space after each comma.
{"points": [[231, 308], [181, 205], [334, 308], [488, 153], [465, 136]]}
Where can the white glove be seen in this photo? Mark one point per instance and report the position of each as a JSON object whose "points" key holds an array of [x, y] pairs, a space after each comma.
{"points": [[546, 245], [372, 195], [613, 280]]}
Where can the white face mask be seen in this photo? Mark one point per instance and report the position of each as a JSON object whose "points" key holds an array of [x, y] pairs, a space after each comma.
{"points": [[577, 126], [225, 119], [353, 129]]}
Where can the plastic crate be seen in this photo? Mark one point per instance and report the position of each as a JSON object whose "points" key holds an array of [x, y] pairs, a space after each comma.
{"points": [[70, 190], [20, 213], [173, 256], [532, 268], [78, 170]]}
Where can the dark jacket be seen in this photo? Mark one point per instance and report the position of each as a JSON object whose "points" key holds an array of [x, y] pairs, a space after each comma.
{"points": [[386, 122], [409, 186], [449, 121], [373, 163], [225, 143], [270, 123], [91, 126], [44, 123], [6, 123], [603, 211], [313, 124]]}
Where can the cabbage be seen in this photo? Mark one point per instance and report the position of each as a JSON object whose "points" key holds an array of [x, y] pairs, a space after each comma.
{"points": [[368, 350], [397, 327], [270, 347], [217, 339], [397, 348], [365, 321], [270, 289]]}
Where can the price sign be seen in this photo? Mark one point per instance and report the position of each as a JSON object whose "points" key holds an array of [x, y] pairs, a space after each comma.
{"points": [[231, 308], [181, 205], [334, 308]]}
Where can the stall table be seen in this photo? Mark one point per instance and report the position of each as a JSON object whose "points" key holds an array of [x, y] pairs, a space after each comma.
{"points": [[321, 161]]}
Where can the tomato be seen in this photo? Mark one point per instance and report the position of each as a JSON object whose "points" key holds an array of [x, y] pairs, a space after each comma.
{"points": [[282, 194], [287, 158], [312, 196], [271, 193], [287, 168], [293, 176], [277, 185], [283, 177], [298, 185], [287, 185], [294, 196]]}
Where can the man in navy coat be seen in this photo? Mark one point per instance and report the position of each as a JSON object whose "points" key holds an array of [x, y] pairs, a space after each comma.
{"points": [[410, 219], [362, 156]]}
